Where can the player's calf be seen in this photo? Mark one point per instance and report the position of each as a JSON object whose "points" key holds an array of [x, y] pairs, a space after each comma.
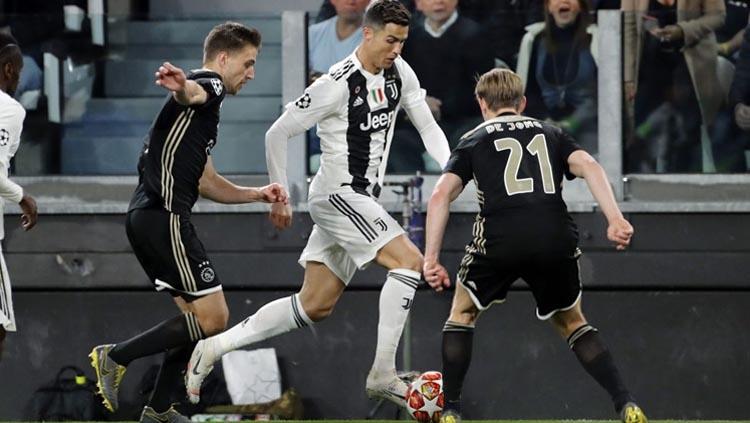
{"points": [[596, 359]]}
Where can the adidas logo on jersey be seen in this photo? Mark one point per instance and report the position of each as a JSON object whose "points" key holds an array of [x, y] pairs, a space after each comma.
{"points": [[376, 121], [358, 102]]}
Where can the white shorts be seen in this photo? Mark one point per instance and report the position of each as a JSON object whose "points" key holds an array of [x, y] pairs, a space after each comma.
{"points": [[349, 231], [7, 317]]}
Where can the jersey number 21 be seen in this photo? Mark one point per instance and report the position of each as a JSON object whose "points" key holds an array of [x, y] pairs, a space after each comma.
{"points": [[537, 147]]}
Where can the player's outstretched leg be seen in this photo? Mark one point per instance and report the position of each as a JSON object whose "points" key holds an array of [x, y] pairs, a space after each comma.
{"points": [[110, 361], [272, 319], [321, 290], [404, 262], [594, 356]]}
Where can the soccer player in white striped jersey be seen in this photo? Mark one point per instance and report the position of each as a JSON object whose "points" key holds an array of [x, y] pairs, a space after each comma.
{"points": [[11, 123], [354, 106]]}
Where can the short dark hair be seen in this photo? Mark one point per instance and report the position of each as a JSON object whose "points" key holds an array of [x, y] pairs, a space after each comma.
{"points": [[10, 51], [382, 12], [230, 37]]}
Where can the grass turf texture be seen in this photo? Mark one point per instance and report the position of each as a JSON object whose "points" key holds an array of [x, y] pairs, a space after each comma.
{"points": [[493, 421]]}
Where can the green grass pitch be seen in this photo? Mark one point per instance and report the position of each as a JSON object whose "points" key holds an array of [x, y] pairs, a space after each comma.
{"points": [[500, 421]]}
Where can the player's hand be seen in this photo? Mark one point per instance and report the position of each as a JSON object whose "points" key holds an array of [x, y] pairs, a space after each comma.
{"points": [[281, 215], [274, 193], [171, 77], [620, 232], [29, 216], [436, 275]]}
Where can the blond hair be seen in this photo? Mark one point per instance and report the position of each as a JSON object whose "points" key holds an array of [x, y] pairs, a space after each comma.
{"points": [[500, 88]]}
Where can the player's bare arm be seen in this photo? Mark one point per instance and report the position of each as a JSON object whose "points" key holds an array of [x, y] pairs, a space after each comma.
{"points": [[219, 189], [184, 91], [447, 189], [581, 164]]}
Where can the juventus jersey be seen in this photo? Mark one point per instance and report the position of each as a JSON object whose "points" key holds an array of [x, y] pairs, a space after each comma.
{"points": [[355, 111], [517, 164], [177, 148], [12, 115]]}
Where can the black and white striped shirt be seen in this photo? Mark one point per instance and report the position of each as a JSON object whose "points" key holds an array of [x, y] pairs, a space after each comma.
{"points": [[355, 112]]}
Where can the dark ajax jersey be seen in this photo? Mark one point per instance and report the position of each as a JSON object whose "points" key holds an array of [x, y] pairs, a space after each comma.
{"points": [[518, 164], [177, 147]]}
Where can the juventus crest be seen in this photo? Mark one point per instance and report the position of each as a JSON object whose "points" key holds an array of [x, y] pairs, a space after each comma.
{"points": [[392, 89]]}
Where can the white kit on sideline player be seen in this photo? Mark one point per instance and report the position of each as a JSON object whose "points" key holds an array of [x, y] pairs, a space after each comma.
{"points": [[11, 124], [354, 105]]}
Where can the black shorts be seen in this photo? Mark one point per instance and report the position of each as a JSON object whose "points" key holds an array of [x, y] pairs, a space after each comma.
{"points": [[553, 277], [171, 253]]}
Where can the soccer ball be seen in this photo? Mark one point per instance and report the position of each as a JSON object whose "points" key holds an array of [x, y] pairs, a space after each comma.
{"points": [[424, 398]]}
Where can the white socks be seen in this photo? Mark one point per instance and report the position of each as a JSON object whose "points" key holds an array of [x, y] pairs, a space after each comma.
{"points": [[277, 317], [285, 314], [395, 301]]}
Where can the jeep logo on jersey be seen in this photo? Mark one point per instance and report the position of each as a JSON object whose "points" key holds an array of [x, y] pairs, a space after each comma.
{"points": [[218, 87], [377, 121]]}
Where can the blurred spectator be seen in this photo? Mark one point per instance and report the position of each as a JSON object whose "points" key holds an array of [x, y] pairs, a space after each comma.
{"points": [[33, 23], [30, 80], [447, 53], [739, 104], [557, 62], [333, 39], [729, 35], [327, 10], [727, 140], [503, 24], [670, 72]]}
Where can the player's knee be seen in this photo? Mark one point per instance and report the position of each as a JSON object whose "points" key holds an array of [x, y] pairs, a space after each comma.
{"points": [[464, 317], [567, 323], [411, 261], [214, 323]]}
